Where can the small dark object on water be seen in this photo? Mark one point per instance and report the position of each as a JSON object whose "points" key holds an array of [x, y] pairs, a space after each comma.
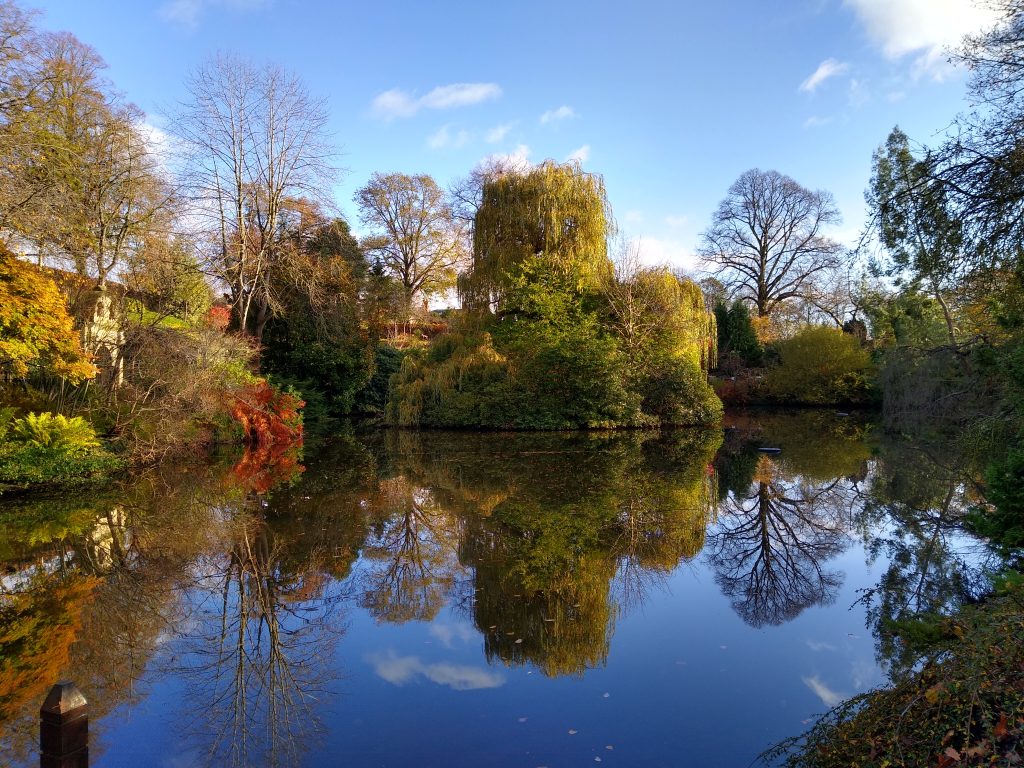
{"points": [[770, 450]]}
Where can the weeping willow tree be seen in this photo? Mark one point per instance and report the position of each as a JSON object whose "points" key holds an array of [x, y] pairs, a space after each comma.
{"points": [[537, 347], [553, 211], [677, 321]]}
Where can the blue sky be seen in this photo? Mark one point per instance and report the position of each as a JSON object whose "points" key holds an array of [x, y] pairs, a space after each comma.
{"points": [[670, 101]]}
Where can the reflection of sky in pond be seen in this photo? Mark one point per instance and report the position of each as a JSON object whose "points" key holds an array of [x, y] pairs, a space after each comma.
{"points": [[537, 600]]}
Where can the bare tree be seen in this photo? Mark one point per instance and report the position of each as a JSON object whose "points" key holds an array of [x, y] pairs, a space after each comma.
{"points": [[253, 139], [765, 241], [418, 239]]}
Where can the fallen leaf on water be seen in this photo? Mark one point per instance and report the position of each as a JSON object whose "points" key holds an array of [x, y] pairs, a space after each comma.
{"points": [[952, 754], [572, 731], [605, 696], [522, 719], [520, 640], [609, 746], [597, 759]]}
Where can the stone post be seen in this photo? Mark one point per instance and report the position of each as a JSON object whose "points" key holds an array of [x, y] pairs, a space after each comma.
{"points": [[64, 728]]}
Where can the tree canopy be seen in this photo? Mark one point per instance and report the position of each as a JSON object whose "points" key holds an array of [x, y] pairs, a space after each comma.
{"points": [[554, 211], [416, 237], [36, 333], [768, 239]]}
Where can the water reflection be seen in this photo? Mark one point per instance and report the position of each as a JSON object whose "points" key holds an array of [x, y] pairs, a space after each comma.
{"points": [[238, 580]]}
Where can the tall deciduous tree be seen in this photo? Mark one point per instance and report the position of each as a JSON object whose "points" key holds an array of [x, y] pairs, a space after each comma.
{"points": [[767, 241], [416, 236], [254, 138]]}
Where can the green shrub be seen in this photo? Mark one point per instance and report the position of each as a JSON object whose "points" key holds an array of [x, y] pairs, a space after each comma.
{"points": [[23, 465], [55, 431], [820, 366], [542, 377], [736, 335], [51, 448], [1004, 523], [677, 393], [374, 396]]}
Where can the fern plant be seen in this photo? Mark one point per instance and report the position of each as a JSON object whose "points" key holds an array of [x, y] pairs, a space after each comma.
{"points": [[56, 431]]}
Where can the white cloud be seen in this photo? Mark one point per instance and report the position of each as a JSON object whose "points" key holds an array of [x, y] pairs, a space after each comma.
{"points": [[399, 670], [187, 12], [460, 95], [518, 158], [634, 217], [677, 221], [828, 68], [579, 155], [818, 646], [398, 103], [158, 141], [498, 133], [555, 115], [828, 697], [859, 94], [923, 27], [445, 137], [449, 633], [816, 122], [657, 252]]}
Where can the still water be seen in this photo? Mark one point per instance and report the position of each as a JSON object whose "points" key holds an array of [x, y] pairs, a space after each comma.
{"points": [[460, 599]]}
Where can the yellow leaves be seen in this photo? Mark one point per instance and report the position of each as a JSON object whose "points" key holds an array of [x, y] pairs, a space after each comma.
{"points": [[932, 694], [36, 331]]}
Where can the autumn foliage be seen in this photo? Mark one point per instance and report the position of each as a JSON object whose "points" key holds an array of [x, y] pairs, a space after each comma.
{"points": [[267, 415], [218, 318], [272, 423], [36, 332]]}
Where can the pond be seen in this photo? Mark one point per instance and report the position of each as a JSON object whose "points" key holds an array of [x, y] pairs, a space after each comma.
{"points": [[465, 599]]}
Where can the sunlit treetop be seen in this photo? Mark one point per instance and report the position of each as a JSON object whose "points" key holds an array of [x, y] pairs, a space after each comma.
{"points": [[554, 211]]}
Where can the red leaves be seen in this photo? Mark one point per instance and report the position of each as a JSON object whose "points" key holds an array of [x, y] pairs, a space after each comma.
{"points": [[1001, 731], [265, 466], [273, 433], [218, 318], [267, 416]]}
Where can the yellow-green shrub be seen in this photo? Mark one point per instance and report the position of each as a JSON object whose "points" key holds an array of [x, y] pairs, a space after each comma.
{"points": [[820, 366]]}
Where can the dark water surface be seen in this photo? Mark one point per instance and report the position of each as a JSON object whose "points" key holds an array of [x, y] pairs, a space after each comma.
{"points": [[458, 599]]}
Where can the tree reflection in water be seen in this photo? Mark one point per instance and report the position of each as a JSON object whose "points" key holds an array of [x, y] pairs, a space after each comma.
{"points": [[912, 520], [771, 545], [412, 555], [543, 542], [255, 647]]}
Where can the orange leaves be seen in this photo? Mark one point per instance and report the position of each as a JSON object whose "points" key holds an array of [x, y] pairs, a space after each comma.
{"points": [[265, 466], [218, 318], [1001, 731], [272, 425], [267, 415], [36, 332]]}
